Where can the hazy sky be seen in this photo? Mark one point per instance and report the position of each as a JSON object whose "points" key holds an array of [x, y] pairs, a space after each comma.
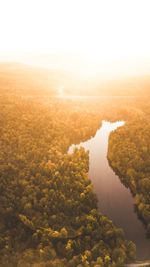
{"points": [[106, 36]]}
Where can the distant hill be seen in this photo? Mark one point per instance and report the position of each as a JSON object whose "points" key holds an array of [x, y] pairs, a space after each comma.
{"points": [[132, 86], [22, 79]]}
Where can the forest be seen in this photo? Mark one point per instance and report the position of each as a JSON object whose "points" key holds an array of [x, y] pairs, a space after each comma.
{"points": [[48, 211], [129, 156], [74, 133]]}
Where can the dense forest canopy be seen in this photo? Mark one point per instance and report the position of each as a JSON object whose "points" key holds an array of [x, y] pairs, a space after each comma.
{"points": [[48, 210], [129, 155]]}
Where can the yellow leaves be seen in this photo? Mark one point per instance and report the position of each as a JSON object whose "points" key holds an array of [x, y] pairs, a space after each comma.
{"points": [[137, 199], [23, 182], [28, 206], [141, 206], [41, 251], [55, 234], [89, 188], [131, 172], [63, 232], [69, 245], [107, 259], [49, 164], [26, 221], [82, 195], [49, 232], [88, 254], [83, 258], [90, 218]]}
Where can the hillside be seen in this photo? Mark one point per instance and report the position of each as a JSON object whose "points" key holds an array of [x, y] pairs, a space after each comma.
{"points": [[27, 80]]}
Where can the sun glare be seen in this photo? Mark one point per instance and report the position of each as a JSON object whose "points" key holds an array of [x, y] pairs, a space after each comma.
{"points": [[61, 91], [111, 36]]}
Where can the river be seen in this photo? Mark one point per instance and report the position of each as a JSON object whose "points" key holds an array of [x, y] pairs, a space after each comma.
{"points": [[114, 199]]}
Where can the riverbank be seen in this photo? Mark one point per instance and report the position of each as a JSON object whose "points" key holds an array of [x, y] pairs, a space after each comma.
{"points": [[109, 189]]}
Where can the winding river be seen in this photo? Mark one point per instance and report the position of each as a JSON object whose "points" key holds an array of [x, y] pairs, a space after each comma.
{"points": [[114, 199]]}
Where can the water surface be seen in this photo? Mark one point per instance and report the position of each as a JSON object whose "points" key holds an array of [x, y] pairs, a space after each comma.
{"points": [[114, 199]]}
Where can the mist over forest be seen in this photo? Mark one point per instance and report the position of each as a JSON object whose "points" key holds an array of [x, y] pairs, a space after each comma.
{"points": [[25, 79]]}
